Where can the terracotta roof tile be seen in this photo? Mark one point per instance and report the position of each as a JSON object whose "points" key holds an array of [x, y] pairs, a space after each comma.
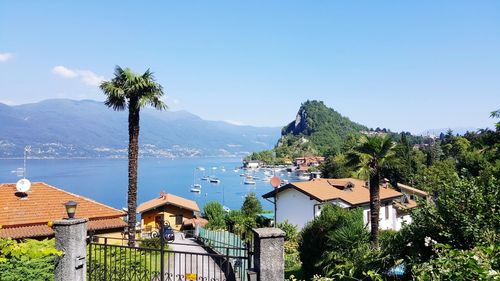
{"points": [[412, 190], [46, 203], [43, 230], [170, 199], [350, 190]]}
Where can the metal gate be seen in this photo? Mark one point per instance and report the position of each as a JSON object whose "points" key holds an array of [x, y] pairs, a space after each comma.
{"points": [[110, 259]]}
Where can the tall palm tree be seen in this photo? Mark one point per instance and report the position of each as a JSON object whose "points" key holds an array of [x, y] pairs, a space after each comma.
{"points": [[133, 91], [369, 157]]}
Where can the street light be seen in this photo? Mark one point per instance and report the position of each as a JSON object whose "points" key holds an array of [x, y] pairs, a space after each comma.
{"points": [[70, 208]]}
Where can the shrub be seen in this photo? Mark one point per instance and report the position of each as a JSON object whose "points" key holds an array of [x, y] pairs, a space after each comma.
{"points": [[290, 230], [480, 263], [27, 260], [335, 232]]}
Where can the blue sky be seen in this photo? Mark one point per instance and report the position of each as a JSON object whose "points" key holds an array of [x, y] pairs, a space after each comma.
{"points": [[404, 65]]}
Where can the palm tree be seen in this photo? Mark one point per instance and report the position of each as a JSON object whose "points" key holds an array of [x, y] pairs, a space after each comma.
{"points": [[369, 157], [130, 90]]}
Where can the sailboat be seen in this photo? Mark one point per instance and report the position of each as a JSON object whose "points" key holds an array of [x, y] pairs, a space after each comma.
{"points": [[196, 187], [205, 177], [212, 178]]}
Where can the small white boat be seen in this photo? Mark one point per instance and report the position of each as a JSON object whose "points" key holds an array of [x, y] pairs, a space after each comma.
{"points": [[196, 189], [214, 180], [205, 178], [243, 175], [250, 182]]}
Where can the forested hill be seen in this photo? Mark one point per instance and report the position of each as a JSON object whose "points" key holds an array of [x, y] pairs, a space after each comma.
{"points": [[323, 127], [320, 130]]}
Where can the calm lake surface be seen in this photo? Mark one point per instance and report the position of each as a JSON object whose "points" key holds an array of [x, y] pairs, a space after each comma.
{"points": [[105, 180]]}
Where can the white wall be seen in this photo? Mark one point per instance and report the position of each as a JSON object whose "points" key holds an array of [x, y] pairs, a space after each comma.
{"points": [[294, 206], [399, 221], [299, 209], [389, 223]]}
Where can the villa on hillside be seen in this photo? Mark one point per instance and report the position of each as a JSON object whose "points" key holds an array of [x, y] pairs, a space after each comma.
{"points": [[310, 161], [30, 214], [180, 213], [301, 202]]}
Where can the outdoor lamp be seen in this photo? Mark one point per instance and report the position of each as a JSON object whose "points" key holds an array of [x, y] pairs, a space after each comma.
{"points": [[70, 208]]}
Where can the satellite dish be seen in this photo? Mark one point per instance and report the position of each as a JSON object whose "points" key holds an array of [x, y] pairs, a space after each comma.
{"points": [[275, 181], [23, 185]]}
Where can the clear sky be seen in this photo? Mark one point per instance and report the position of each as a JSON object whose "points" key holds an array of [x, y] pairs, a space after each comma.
{"points": [[404, 65]]}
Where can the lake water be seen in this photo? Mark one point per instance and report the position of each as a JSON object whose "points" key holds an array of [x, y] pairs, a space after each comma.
{"points": [[105, 180]]}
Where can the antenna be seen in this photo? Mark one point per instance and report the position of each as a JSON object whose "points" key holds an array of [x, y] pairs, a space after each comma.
{"points": [[27, 149], [23, 185]]}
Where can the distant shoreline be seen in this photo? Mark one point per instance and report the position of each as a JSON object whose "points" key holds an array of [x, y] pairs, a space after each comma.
{"points": [[116, 158]]}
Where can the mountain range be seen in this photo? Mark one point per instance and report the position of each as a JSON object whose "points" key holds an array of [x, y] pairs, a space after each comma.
{"points": [[63, 128]]}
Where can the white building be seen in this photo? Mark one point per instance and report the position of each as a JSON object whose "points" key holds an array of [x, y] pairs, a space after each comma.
{"points": [[301, 202]]}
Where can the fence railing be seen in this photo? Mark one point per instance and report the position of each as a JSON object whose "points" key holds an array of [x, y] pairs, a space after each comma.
{"points": [[221, 241], [108, 260]]}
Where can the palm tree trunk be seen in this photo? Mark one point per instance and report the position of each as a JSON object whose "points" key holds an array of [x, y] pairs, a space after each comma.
{"points": [[133, 153], [374, 208]]}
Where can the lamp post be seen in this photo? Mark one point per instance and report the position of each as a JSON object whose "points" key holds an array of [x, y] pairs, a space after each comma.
{"points": [[70, 209]]}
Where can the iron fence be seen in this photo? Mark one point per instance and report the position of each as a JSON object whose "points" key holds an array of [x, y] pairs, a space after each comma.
{"points": [[109, 259], [222, 242]]}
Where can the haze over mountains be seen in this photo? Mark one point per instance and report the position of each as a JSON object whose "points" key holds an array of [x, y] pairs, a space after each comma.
{"points": [[63, 128]]}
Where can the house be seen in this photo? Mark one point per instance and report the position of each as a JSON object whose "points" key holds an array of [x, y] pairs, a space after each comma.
{"points": [[407, 202], [310, 161], [179, 212], [30, 214], [301, 202], [253, 164]]}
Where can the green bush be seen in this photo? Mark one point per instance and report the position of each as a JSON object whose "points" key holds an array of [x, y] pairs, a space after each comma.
{"points": [[122, 263], [152, 243], [27, 260], [331, 238], [290, 230], [481, 263]]}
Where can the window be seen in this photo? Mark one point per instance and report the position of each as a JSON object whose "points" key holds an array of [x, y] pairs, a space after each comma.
{"points": [[386, 211], [178, 219]]}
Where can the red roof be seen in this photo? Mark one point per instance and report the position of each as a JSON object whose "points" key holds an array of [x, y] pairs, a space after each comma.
{"points": [[45, 203]]}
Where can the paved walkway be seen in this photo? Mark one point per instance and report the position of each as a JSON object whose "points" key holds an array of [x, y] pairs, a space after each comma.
{"points": [[193, 260]]}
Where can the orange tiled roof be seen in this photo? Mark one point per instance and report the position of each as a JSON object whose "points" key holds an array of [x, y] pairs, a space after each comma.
{"points": [[170, 199], [412, 190], [405, 206], [192, 222], [350, 190], [43, 230], [45, 203]]}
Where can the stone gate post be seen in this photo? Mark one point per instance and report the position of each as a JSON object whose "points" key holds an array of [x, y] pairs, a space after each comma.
{"points": [[269, 255], [71, 238]]}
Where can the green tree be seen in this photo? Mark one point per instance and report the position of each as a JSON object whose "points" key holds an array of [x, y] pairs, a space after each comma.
{"points": [[336, 167], [331, 240], [132, 91], [465, 214], [433, 178], [251, 206], [369, 157], [215, 215]]}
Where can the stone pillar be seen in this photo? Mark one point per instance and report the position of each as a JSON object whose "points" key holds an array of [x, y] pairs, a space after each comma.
{"points": [[269, 254], [71, 237]]}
